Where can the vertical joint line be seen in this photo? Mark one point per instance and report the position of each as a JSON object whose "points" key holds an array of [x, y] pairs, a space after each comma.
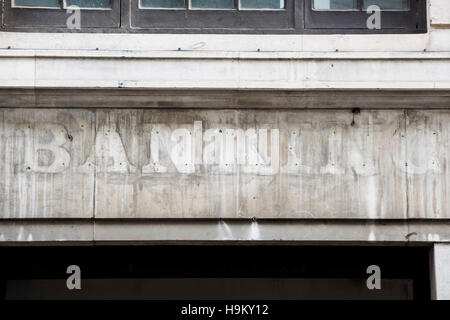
{"points": [[406, 173]]}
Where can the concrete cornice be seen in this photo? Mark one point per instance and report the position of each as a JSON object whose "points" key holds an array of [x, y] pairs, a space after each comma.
{"points": [[217, 70], [219, 55], [363, 232]]}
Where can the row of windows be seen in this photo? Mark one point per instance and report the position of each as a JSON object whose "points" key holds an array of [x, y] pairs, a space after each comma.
{"points": [[215, 16], [335, 5], [155, 4]]}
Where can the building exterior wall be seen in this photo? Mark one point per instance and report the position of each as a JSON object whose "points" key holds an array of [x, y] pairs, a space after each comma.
{"points": [[153, 163], [96, 128], [440, 276], [377, 164]]}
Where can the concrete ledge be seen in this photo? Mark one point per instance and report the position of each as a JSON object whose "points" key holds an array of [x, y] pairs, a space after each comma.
{"points": [[219, 70], [219, 42], [224, 99], [32, 231], [239, 55], [244, 231], [179, 231]]}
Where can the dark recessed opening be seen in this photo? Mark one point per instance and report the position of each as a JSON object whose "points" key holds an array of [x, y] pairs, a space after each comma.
{"points": [[215, 272]]}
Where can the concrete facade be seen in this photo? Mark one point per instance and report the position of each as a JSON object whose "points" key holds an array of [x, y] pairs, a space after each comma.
{"points": [[440, 272], [373, 164], [155, 138]]}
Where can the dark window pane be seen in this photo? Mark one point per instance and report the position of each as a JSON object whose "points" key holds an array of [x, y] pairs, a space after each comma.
{"points": [[169, 4], [36, 3], [335, 4], [212, 4], [262, 4], [89, 3], [388, 4]]}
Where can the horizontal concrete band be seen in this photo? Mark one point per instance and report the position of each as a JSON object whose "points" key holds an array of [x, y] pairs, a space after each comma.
{"points": [[224, 99], [176, 163], [222, 231], [276, 71], [225, 55], [432, 41]]}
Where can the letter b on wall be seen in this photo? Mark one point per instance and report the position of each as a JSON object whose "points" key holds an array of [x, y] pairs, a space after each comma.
{"points": [[46, 139]]}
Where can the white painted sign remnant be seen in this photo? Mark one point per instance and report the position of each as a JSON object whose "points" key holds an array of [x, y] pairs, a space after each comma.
{"points": [[227, 163]]}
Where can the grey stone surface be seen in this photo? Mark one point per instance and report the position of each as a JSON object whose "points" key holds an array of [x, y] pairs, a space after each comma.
{"points": [[236, 231], [62, 231], [441, 272], [40, 155], [428, 146], [329, 164], [248, 231], [161, 163]]}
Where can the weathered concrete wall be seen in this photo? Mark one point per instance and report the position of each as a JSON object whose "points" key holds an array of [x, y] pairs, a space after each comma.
{"points": [[39, 179], [440, 271], [150, 163], [230, 231], [440, 13]]}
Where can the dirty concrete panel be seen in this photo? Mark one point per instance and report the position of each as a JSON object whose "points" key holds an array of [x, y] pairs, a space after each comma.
{"points": [[176, 163], [233, 231], [244, 163], [160, 184], [41, 154], [428, 142], [247, 230], [344, 165], [59, 231], [423, 230], [440, 273]]}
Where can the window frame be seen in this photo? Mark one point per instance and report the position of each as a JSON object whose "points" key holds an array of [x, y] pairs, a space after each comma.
{"points": [[413, 20], [198, 20]]}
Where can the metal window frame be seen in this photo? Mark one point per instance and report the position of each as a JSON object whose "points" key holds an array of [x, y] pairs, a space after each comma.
{"points": [[216, 20], [352, 21], [22, 18], [297, 18], [237, 4]]}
